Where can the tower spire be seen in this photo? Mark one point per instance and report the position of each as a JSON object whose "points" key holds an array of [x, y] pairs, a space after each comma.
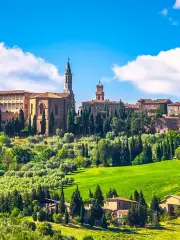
{"points": [[68, 78]]}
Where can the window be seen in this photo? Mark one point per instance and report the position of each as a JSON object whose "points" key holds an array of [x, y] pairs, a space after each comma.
{"points": [[56, 109], [41, 107], [98, 97], [31, 108]]}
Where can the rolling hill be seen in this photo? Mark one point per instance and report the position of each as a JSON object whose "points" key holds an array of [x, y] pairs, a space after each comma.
{"points": [[160, 178]]}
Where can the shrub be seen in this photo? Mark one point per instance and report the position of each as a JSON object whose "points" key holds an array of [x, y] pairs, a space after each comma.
{"points": [[45, 229], [88, 237], [34, 216], [15, 212], [41, 217], [58, 218], [177, 153], [68, 138], [31, 225]]}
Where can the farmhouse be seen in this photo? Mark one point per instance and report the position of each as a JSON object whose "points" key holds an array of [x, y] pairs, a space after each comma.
{"points": [[169, 203]]}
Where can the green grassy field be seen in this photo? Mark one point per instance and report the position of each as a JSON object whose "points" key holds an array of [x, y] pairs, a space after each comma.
{"points": [[161, 178], [167, 231]]}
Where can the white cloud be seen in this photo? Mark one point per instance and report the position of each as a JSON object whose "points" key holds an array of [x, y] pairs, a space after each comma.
{"points": [[177, 4], [164, 12], [153, 74], [174, 23], [23, 70]]}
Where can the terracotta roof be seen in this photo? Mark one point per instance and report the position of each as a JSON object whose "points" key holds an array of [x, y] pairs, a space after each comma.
{"points": [[174, 196], [46, 95], [135, 106], [174, 104], [101, 101], [13, 92], [119, 199], [62, 95], [156, 101]]}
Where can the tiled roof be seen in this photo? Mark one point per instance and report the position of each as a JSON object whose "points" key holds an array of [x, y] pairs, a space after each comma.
{"points": [[47, 95], [119, 199], [156, 101], [13, 92], [101, 102], [174, 104]]}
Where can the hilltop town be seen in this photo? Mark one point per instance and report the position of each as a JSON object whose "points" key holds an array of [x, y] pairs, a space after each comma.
{"points": [[165, 112]]}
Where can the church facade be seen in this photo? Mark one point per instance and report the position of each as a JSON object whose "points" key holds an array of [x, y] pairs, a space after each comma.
{"points": [[34, 104]]}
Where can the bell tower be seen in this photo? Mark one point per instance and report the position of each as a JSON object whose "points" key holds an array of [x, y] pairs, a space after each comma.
{"points": [[99, 92], [68, 79]]}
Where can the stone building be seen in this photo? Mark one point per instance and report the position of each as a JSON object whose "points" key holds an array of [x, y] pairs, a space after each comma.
{"points": [[34, 103], [163, 125], [100, 103], [170, 203], [58, 103], [152, 106], [174, 109], [13, 101]]}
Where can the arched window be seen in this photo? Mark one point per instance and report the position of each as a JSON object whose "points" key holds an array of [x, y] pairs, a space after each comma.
{"points": [[41, 107], [56, 109]]}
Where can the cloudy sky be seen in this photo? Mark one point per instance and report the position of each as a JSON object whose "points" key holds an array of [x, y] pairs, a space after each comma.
{"points": [[132, 46]]}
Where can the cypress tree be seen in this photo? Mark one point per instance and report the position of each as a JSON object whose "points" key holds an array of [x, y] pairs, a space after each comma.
{"points": [[98, 196], [103, 221], [76, 203], [62, 206], [136, 196], [34, 126], [66, 217], [51, 123], [29, 125], [91, 123], [90, 194], [121, 110], [83, 150], [82, 213], [21, 119], [158, 153], [86, 151], [0, 121], [17, 127], [43, 123]]}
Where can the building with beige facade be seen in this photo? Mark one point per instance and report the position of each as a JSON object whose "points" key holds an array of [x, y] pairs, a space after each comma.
{"points": [[174, 109], [170, 203], [34, 103], [14, 100], [100, 103]]}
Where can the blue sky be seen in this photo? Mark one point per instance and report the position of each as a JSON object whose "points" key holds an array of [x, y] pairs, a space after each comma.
{"points": [[96, 35]]}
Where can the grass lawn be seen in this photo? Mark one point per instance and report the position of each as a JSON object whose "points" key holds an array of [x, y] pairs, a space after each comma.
{"points": [[165, 232], [160, 178]]}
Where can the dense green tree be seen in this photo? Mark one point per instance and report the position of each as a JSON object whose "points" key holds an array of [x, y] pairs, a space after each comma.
{"points": [[90, 194], [0, 121], [51, 123], [21, 119], [62, 206], [76, 203], [43, 123], [34, 125], [112, 193], [103, 221], [66, 216], [136, 196], [29, 125], [82, 213], [98, 195], [91, 123]]}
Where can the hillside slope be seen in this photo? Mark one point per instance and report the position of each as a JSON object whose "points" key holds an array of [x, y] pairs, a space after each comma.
{"points": [[160, 178]]}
